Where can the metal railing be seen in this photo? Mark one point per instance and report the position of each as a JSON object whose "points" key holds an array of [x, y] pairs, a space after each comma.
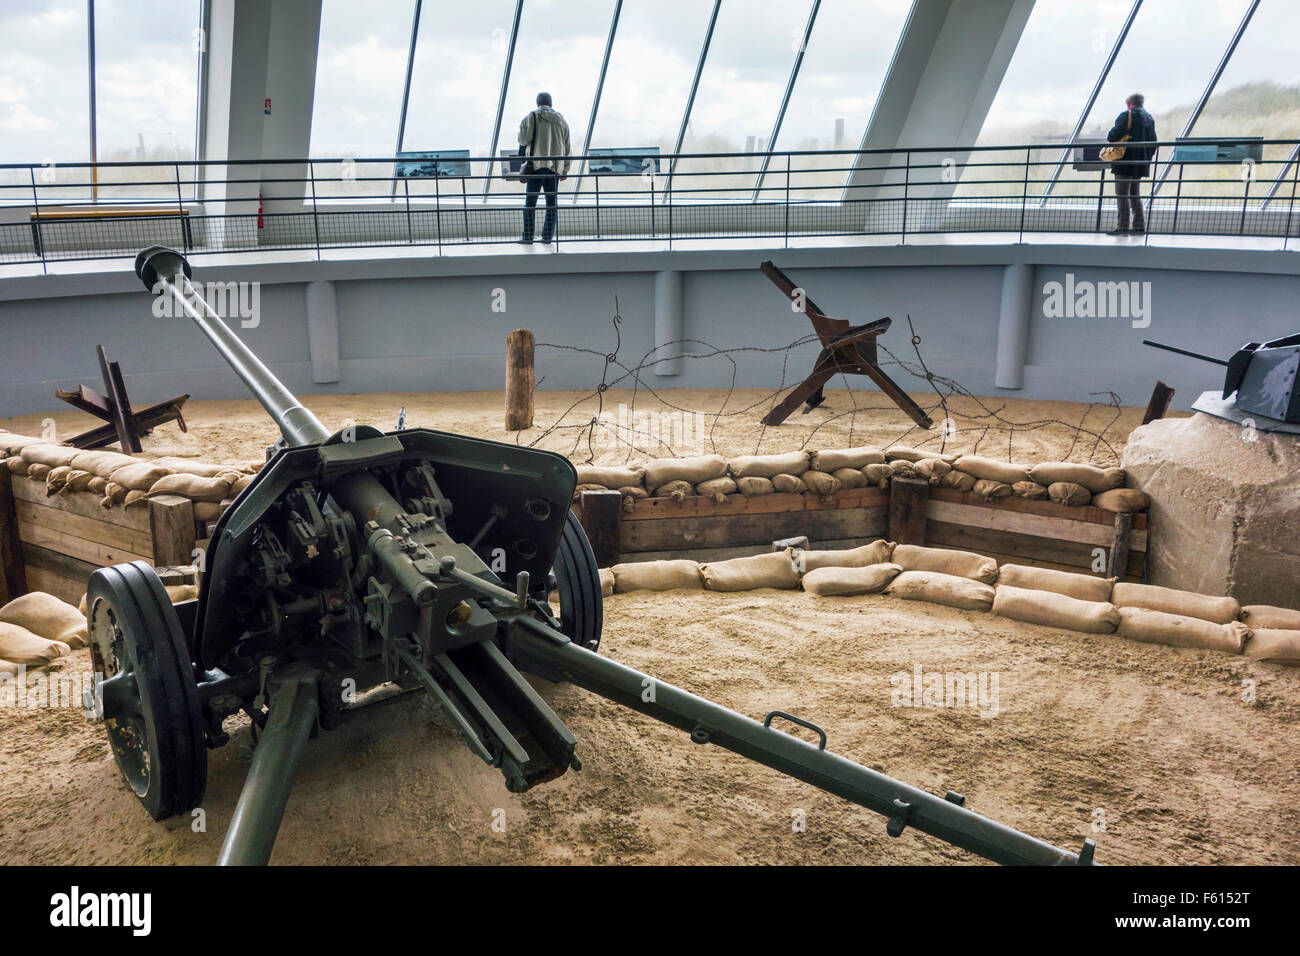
{"points": [[107, 210]]}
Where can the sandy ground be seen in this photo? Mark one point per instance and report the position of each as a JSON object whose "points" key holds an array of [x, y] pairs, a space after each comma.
{"points": [[1154, 742], [672, 422], [1157, 745]]}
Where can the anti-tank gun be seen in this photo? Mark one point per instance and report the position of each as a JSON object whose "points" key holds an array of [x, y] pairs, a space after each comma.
{"points": [[360, 565]]}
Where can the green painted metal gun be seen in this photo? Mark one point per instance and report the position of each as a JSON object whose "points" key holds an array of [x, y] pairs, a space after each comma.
{"points": [[358, 566]]}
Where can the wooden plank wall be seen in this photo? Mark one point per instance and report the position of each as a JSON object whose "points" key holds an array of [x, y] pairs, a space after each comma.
{"points": [[62, 539], [1013, 530]]}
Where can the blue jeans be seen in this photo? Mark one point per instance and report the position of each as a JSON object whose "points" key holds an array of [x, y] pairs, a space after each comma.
{"points": [[548, 181]]}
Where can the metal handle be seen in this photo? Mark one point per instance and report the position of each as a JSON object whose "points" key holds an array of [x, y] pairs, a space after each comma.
{"points": [[808, 724]]}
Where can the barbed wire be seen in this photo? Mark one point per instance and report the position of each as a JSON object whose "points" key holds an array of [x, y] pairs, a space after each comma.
{"points": [[987, 419]]}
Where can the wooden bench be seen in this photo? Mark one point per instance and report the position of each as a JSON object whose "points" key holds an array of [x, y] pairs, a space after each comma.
{"points": [[81, 213], [52, 543]]}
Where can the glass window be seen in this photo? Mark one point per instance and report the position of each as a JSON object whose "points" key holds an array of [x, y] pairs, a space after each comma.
{"points": [[360, 72], [44, 98], [1055, 66], [560, 48], [835, 92], [1259, 95], [146, 94], [744, 78], [460, 59]]}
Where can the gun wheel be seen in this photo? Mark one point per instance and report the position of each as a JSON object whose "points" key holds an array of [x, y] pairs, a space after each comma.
{"points": [[149, 696], [578, 580]]}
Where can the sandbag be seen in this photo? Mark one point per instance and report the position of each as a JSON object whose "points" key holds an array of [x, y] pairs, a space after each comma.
{"points": [[677, 489], [1081, 586], [1069, 493], [188, 466], [1123, 500], [46, 453], [904, 469], [36, 471], [991, 490], [848, 477], [578, 491], [1177, 630], [1029, 489], [717, 488], [700, 468], [1220, 610], [139, 475], [21, 646], [206, 510], [12, 444], [656, 576], [182, 592], [606, 582], [775, 569], [8, 669], [635, 492], [991, 469], [878, 552], [114, 494], [194, 487], [76, 481], [947, 589], [963, 564], [932, 469], [786, 484], [610, 476], [1267, 616], [16, 465], [904, 453], [102, 463], [1055, 610], [135, 497], [959, 480], [878, 475], [96, 485], [820, 483], [1274, 645], [56, 479], [769, 466], [48, 617], [755, 486], [842, 582], [239, 484], [832, 461], [1095, 479]]}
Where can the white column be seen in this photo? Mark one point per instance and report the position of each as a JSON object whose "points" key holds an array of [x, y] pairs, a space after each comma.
{"points": [[323, 331], [668, 322]]}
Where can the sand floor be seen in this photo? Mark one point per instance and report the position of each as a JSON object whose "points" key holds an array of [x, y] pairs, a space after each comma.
{"points": [[676, 422], [1152, 742]]}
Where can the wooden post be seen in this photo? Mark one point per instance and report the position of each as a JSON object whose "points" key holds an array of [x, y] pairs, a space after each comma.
{"points": [[171, 524], [13, 573], [1118, 566], [907, 501], [601, 513], [519, 380], [1158, 406]]}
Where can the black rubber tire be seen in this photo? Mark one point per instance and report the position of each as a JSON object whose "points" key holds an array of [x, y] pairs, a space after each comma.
{"points": [[577, 578], [169, 727]]}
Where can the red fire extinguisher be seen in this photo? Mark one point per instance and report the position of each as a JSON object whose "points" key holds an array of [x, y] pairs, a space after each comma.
{"points": [[259, 211]]}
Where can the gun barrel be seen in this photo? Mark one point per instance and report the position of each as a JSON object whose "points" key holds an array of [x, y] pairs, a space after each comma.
{"points": [[1178, 351], [167, 271]]}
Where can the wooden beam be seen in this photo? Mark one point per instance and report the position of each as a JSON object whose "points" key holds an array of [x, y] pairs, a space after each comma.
{"points": [[171, 525], [907, 508], [760, 530], [600, 516], [520, 347], [649, 509], [1051, 509], [1062, 529], [13, 577], [1158, 406], [1119, 549]]}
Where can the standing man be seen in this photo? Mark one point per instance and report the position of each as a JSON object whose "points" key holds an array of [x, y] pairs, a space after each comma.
{"points": [[544, 135], [1134, 127]]}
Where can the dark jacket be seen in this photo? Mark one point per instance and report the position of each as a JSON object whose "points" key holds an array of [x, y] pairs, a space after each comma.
{"points": [[1137, 159]]}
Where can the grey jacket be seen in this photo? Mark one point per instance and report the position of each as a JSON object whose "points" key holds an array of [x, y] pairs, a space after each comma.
{"points": [[552, 134]]}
